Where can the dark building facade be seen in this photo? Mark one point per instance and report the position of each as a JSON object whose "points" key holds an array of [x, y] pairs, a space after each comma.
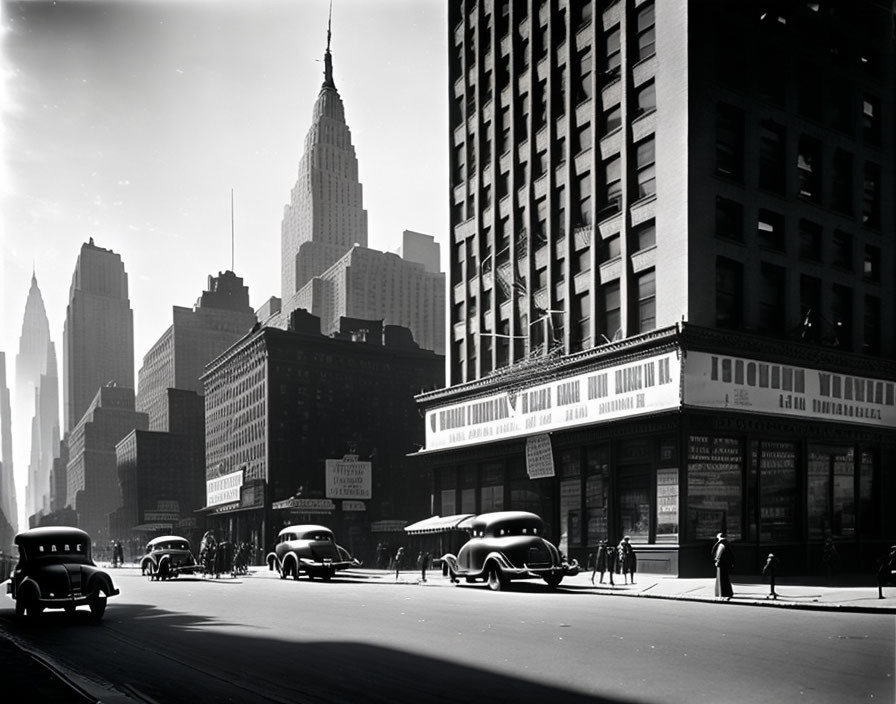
{"points": [[666, 211], [301, 427]]}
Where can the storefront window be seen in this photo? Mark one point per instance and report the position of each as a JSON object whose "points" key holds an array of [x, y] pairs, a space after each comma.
{"points": [[667, 505], [868, 479], [491, 492], [597, 480], [715, 471], [778, 493], [831, 491], [468, 490], [449, 501], [570, 499], [634, 502]]}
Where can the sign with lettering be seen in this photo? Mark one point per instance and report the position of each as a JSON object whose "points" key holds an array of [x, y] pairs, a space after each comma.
{"points": [[619, 391], [350, 505], [539, 456], [223, 489], [718, 381], [348, 479]]}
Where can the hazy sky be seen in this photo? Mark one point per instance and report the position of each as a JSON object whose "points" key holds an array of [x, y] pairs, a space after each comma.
{"points": [[130, 122]]}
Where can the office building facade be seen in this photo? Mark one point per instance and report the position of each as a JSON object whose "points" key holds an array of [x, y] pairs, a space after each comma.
{"points": [[670, 278]]}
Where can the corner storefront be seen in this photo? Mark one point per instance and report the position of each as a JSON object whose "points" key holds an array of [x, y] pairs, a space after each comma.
{"points": [[672, 437]]}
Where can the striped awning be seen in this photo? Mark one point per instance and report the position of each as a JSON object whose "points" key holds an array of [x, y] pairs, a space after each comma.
{"points": [[439, 524]]}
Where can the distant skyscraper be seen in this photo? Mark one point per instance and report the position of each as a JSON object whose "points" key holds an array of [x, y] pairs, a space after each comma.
{"points": [[325, 216], [98, 337], [9, 519], [327, 268], [37, 404], [221, 316]]}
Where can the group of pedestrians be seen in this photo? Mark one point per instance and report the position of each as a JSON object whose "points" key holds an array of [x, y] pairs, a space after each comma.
{"points": [[620, 559]]}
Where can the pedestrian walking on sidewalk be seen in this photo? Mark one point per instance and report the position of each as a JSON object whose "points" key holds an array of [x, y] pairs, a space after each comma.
{"points": [[399, 556], [829, 556], [601, 563], [770, 570], [625, 556], [425, 558], [723, 557], [886, 571]]}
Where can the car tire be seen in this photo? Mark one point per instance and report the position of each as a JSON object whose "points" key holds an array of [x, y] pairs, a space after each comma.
{"points": [[282, 571], [150, 572], [553, 580], [32, 606], [70, 609], [496, 580], [20, 607], [97, 604]]}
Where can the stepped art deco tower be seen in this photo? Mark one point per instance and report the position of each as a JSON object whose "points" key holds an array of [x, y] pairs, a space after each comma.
{"points": [[325, 217], [36, 403], [98, 337]]}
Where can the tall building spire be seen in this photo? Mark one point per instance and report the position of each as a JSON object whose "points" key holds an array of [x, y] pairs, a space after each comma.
{"points": [[328, 59]]}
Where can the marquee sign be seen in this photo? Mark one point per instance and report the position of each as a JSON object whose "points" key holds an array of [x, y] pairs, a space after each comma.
{"points": [[348, 479], [223, 489], [719, 381], [621, 391]]}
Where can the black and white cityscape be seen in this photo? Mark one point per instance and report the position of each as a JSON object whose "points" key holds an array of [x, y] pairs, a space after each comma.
{"points": [[608, 311]]}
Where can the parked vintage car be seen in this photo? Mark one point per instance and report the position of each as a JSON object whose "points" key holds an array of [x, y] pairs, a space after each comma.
{"points": [[56, 571], [167, 557], [508, 545], [310, 550]]}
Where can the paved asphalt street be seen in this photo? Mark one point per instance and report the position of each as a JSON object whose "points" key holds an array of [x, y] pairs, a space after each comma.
{"points": [[27, 672]]}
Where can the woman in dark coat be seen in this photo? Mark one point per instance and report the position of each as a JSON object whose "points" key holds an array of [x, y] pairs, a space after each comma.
{"points": [[602, 563], [724, 559], [626, 558]]}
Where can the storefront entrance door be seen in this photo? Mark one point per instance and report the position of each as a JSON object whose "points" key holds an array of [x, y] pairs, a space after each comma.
{"points": [[634, 502]]}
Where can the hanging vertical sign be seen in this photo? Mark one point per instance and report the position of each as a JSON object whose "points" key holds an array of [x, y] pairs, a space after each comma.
{"points": [[539, 456]]}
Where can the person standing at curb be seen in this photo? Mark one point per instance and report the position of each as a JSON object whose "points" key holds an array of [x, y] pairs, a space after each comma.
{"points": [[724, 560], [600, 563], [770, 570], [829, 556], [625, 555], [885, 569], [399, 556]]}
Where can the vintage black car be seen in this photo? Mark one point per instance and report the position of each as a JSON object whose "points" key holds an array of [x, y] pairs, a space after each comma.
{"points": [[310, 550], [167, 557], [56, 571], [508, 545]]}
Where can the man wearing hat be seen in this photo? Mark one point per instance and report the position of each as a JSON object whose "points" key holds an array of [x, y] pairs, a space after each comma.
{"points": [[724, 560]]}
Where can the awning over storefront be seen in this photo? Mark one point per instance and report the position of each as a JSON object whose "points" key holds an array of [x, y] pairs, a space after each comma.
{"points": [[439, 524]]}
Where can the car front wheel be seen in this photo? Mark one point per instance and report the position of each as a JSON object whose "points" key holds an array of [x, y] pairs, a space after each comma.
{"points": [[553, 580], [496, 580], [98, 604]]}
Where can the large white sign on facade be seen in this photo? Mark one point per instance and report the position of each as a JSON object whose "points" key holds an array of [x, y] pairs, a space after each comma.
{"points": [[637, 388], [719, 381], [539, 456], [348, 479], [223, 489]]}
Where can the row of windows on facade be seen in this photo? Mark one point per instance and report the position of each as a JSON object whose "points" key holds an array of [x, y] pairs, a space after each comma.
{"points": [[837, 250], [827, 321], [809, 182]]}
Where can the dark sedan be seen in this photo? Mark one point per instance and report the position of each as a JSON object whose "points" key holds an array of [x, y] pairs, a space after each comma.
{"points": [[168, 556], [309, 550], [509, 545], [56, 571]]}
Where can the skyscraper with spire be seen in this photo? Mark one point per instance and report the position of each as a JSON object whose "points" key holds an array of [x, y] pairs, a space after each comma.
{"points": [[36, 404], [327, 268], [98, 337], [325, 216]]}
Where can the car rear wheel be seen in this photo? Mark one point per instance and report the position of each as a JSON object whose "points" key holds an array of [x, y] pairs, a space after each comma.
{"points": [[31, 604], [553, 580], [97, 604], [295, 571], [496, 580]]}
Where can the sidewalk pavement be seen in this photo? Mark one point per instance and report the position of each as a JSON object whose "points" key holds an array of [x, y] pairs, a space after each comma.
{"points": [[852, 593]]}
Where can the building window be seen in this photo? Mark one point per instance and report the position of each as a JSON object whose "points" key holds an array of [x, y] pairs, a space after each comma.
{"points": [[841, 190], [871, 196], [871, 326], [772, 299], [809, 168], [583, 138], [770, 231], [871, 119], [729, 219], [871, 270], [830, 491], [582, 262], [610, 248], [646, 31], [811, 92], [645, 235], [582, 320], [771, 75], [610, 311], [559, 85], [841, 250], [730, 141], [841, 106], [613, 183], [810, 308], [729, 293], [645, 157], [646, 98], [613, 51], [647, 301], [841, 310], [771, 157], [585, 87], [585, 209], [613, 118], [810, 241]]}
